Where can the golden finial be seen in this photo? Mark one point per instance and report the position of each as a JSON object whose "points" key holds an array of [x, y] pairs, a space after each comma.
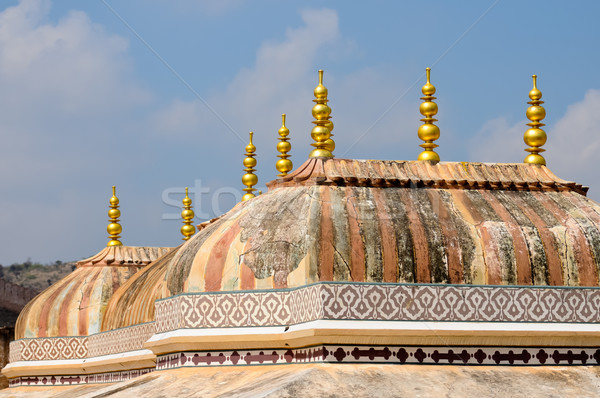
{"points": [[321, 133], [428, 131], [535, 137], [283, 165], [114, 228], [249, 179], [187, 230]]}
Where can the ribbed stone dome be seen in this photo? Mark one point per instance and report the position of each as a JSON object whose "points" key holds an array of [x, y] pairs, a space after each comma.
{"points": [[388, 221], [133, 302], [75, 305]]}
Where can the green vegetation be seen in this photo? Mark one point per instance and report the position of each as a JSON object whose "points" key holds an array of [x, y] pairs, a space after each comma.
{"points": [[35, 275]]}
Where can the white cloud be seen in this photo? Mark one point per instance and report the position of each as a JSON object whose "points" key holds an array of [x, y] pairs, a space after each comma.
{"points": [[499, 141], [65, 89], [281, 80], [574, 143], [572, 147]]}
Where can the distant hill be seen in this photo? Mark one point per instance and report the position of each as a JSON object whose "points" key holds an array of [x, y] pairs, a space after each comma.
{"points": [[34, 275]]}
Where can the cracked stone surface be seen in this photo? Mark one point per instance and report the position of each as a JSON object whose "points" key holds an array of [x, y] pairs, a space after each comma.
{"points": [[327, 380]]}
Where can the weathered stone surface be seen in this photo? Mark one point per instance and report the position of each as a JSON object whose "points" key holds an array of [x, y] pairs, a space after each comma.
{"points": [[383, 221], [342, 381]]}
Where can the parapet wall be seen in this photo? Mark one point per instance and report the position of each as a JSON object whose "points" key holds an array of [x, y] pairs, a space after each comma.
{"points": [[14, 297]]}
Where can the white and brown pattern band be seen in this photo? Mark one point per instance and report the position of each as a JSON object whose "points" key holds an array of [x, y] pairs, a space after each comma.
{"points": [[68, 380], [364, 301], [387, 354], [49, 348], [79, 347], [120, 340]]}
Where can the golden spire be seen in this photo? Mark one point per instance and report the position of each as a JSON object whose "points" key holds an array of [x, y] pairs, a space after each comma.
{"points": [[321, 133], [187, 230], [283, 165], [249, 179], [114, 228], [535, 137], [428, 131]]}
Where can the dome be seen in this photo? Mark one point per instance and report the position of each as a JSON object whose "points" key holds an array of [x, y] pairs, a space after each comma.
{"points": [[389, 221], [75, 305], [133, 302]]}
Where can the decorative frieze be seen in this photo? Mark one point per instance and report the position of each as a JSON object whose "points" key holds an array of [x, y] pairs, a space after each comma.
{"points": [[416, 355], [49, 348], [388, 302], [68, 380], [120, 340]]}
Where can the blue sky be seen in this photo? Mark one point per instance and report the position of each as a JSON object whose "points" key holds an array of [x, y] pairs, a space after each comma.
{"points": [[85, 103]]}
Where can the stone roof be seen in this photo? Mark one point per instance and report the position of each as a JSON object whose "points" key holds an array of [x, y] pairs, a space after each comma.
{"points": [[447, 175], [386, 221], [75, 305], [124, 255]]}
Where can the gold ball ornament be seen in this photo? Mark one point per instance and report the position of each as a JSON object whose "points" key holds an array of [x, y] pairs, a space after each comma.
{"points": [[321, 111], [187, 214], [283, 165], [535, 137], [114, 229], [430, 156], [187, 230], [535, 158], [283, 131], [535, 94], [429, 132], [320, 153], [248, 196], [428, 89], [249, 179], [249, 162], [320, 133], [428, 108], [320, 92], [284, 146], [535, 113]]}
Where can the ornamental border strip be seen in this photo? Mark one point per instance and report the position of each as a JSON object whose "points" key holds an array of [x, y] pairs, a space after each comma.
{"points": [[130, 338], [120, 340], [49, 348], [71, 380], [382, 302], [387, 354]]}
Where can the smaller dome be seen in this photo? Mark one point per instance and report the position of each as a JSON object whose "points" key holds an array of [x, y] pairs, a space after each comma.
{"points": [[133, 302], [75, 305]]}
